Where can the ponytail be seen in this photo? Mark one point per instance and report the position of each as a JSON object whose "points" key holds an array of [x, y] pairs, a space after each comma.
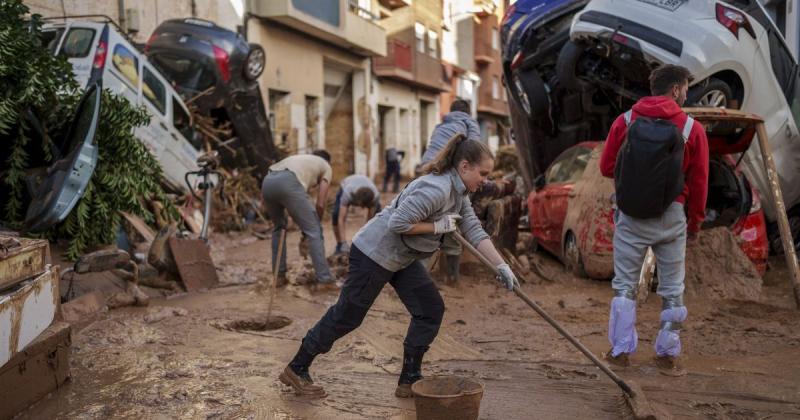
{"points": [[457, 149]]}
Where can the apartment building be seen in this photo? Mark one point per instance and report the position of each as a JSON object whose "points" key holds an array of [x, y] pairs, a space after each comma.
{"points": [[138, 18], [472, 49], [318, 79], [409, 78]]}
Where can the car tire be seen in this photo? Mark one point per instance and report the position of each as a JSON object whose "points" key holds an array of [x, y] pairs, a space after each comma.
{"points": [[531, 93], [255, 62], [566, 66], [572, 256], [714, 93]]}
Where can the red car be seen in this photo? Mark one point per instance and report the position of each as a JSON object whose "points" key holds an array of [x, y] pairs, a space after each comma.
{"points": [[571, 209]]}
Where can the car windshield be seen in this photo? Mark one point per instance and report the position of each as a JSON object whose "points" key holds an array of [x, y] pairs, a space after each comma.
{"points": [[77, 43], [184, 73]]}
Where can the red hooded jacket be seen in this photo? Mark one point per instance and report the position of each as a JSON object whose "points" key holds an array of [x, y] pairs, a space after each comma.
{"points": [[695, 157]]}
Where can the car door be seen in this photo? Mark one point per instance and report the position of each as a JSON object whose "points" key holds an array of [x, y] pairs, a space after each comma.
{"points": [[54, 196], [154, 97], [187, 143], [554, 196]]}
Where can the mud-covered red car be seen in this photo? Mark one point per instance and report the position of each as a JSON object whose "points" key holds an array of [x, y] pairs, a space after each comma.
{"points": [[572, 205]]}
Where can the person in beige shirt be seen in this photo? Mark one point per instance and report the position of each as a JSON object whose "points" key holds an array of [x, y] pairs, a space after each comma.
{"points": [[285, 188]]}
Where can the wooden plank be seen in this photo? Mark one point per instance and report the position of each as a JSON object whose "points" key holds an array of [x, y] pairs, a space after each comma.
{"points": [[194, 263], [21, 259], [140, 226], [780, 211]]}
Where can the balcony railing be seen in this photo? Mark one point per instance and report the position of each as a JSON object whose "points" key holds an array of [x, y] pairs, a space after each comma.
{"points": [[398, 57]]}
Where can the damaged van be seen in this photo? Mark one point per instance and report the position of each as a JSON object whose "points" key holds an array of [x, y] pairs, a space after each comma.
{"points": [[99, 52]]}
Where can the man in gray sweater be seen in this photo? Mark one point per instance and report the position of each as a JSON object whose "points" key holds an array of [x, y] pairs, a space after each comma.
{"points": [[458, 121]]}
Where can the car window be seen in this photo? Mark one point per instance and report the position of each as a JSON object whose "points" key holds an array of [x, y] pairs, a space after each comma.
{"points": [[50, 38], [575, 170], [78, 43], [183, 123], [558, 171], [154, 90], [127, 64], [183, 72]]}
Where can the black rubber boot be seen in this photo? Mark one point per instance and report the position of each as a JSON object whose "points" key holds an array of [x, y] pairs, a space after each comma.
{"points": [[453, 262], [412, 372]]}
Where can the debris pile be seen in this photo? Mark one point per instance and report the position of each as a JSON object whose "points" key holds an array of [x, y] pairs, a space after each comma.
{"points": [[717, 268], [304, 273]]}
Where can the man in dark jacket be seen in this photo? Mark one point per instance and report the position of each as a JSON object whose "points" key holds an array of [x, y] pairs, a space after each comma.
{"points": [[665, 234]]}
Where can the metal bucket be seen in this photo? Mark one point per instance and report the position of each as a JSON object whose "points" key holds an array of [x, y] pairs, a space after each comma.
{"points": [[447, 397]]}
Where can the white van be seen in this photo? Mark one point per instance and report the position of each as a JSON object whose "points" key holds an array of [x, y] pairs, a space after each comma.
{"points": [[97, 51]]}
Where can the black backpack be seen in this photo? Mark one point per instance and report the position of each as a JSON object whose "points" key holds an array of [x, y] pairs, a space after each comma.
{"points": [[649, 171]]}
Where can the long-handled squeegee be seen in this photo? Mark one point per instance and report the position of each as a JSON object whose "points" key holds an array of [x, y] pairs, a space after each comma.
{"points": [[634, 395]]}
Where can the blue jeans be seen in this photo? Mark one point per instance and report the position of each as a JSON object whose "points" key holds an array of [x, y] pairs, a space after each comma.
{"points": [[392, 170]]}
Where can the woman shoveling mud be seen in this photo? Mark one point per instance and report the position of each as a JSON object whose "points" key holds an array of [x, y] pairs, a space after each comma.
{"points": [[388, 250]]}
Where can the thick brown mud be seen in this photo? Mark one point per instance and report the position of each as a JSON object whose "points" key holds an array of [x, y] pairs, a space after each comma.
{"points": [[193, 360]]}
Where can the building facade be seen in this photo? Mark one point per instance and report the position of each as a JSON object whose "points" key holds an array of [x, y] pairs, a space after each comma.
{"points": [[138, 18], [317, 80], [409, 78], [472, 53]]}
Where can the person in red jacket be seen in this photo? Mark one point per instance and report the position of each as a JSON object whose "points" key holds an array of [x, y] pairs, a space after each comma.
{"points": [[666, 234]]}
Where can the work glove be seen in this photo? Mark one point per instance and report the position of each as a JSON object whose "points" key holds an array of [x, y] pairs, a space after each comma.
{"points": [[342, 247], [448, 223], [507, 276]]}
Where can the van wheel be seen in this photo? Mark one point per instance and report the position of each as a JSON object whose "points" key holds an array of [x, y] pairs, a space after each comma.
{"points": [[572, 256], [254, 64], [715, 93]]}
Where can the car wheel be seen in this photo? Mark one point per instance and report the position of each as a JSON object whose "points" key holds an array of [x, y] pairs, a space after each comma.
{"points": [[572, 256], [254, 64], [532, 93], [567, 63], [715, 93]]}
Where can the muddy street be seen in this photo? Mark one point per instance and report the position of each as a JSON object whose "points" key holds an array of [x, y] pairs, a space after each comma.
{"points": [[207, 355]]}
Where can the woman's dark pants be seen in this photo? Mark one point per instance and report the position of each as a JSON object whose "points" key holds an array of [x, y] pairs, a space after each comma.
{"points": [[364, 283]]}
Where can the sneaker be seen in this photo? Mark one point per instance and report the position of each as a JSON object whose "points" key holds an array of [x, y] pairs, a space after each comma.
{"points": [[322, 287], [670, 366], [620, 360], [302, 384]]}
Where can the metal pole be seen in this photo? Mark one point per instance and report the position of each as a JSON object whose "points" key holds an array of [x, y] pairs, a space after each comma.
{"points": [[206, 206], [780, 210]]}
